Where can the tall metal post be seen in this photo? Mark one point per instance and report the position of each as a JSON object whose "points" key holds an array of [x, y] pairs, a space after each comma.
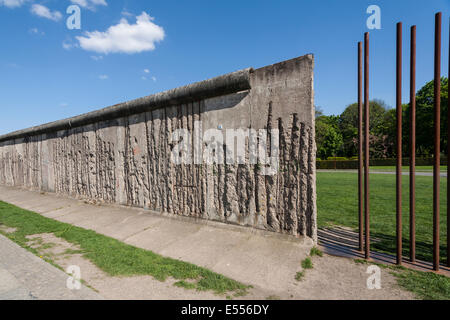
{"points": [[448, 155], [360, 151], [437, 138], [399, 145], [412, 148], [366, 143]]}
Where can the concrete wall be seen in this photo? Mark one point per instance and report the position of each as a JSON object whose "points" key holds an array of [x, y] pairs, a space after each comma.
{"points": [[122, 154]]}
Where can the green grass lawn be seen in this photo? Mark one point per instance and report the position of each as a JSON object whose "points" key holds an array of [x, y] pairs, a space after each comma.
{"points": [[337, 202], [425, 285], [112, 256]]}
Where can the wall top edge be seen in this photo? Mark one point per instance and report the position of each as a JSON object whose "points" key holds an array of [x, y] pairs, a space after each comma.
{"points": [[221, 85]]}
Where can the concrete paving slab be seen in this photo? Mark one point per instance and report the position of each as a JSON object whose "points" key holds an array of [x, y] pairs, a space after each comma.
{"points": [[23, 276], [159, 236], [16, 195], [206, 247], [130, 226], [85, 216], [270, 260], [61, 212], [8, 282], [46, 206]]}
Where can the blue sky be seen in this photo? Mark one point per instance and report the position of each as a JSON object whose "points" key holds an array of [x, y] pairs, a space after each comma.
{"points": [[48, 72]]}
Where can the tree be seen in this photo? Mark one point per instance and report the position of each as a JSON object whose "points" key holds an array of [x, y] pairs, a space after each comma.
{"points": [[338, 135], [425, 118], [329, 139], [319, 111], [380, 126]]}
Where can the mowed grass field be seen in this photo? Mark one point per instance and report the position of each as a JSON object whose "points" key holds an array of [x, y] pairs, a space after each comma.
{"points": [[337, 202]]}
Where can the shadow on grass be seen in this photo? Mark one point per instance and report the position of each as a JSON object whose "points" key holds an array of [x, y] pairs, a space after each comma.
{"points": [[424, 250], [346, 242]]}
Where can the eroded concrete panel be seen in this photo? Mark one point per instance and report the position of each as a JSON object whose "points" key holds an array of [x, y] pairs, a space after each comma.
{"points": [[128, 159]]}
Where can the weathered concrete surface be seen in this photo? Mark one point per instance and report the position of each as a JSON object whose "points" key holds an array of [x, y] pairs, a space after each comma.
{"points": [[266, 260], [122, 154], [23, 276]]}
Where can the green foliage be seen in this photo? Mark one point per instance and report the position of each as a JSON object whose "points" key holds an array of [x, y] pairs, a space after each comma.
{"points": [[329, 140], [337, 158], [388, 162], [315, 252], [184, 284], [300, 275], [307, 263], [380, 126], [425, 117], [338, 135], [426, 285]]}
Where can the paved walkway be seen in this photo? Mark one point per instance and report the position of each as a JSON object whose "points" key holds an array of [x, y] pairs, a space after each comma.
{"points": [[268, 261], [23, 276]]}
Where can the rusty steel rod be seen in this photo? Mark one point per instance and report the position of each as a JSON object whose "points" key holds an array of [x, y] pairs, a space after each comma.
{"points": [[437, 137], [360, 151], [366, 143], [412, 148], [448, 154], [399, 144]]}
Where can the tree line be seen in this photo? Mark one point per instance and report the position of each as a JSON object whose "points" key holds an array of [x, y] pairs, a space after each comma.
{"points": [[337, 135]]}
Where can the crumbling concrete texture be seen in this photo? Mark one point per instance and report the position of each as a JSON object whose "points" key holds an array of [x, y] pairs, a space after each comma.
{"points": [[122, 154]]}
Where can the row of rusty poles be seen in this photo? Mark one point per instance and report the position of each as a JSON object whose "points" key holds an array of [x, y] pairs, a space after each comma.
{"points": [[363, 148]]}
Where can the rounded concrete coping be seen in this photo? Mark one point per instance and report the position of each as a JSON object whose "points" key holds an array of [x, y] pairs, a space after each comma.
{"points": [[222, 85]]}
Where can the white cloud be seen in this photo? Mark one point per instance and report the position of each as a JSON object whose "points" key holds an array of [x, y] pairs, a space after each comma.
{"points": [[146, 70], [64, 104], [103, 77], [12, 3], [13, 65], [69, 44], [124, 37], [97, 58], [145, 78], [89, 4], [127, 13], [36, 31], [44, 12]]}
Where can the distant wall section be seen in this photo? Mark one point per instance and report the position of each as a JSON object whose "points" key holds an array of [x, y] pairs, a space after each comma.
{"points": [[124, 154]]}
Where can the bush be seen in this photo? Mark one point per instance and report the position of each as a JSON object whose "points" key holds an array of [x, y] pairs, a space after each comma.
{"points": [[337, 158], [330, 164], [353, 164]]}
